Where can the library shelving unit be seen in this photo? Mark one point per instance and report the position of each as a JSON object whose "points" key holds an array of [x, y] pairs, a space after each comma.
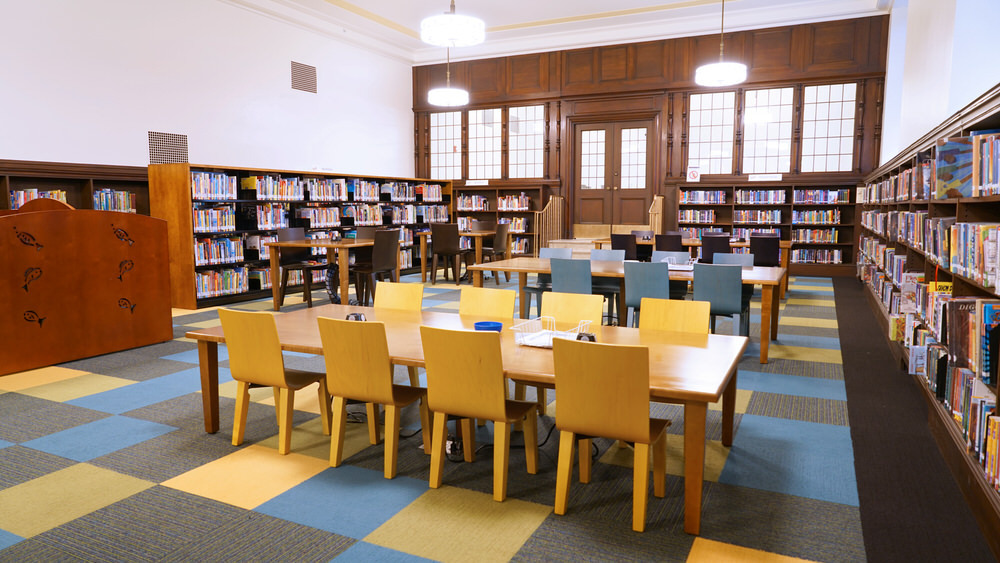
{"points": [[516, 202], [929, 257], [219, 217], [83, 186], [817, 218]]}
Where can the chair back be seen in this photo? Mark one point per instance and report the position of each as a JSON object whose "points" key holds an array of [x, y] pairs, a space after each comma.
{"points": [[720, 285], [646, 279], [565, 253], [365, 233], [499, 243], [254, 349], [608, 254], [487, 302], [669, 241], [602, 389], [712, 243], [570, 276], [644, 235], [385, 253], [357, 359], [568, 309], [464, 372], [444, 238], [625, 243], [679, 256], [766, 250], [741, 258], [479, 226], [293, 255], [675, 314], [395, 295]]}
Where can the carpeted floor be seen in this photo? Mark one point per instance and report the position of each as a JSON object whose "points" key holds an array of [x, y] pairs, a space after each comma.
{"points": [[105, 459]]}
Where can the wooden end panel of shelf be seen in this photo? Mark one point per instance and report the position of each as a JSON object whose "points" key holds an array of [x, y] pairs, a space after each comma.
{"points": [[80, 283], [170, 200]]}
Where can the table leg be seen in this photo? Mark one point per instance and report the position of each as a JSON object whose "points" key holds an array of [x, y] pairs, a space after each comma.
{"points": [[694, 464], [208, 362], [343, 264], [477, 276], [276, 276], [729, 410], [522, 298], [767, 302], [423, 259], [785, 254], [775, 311]]}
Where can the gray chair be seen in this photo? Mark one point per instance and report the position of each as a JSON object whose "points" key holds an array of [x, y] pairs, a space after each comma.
{"points": [[297, 259], [570, 276], [610, 288], [678, 288], [445, 243], [744, 260], [497, 249], [543, 282], [719, 284], [385, 259], [645, 279]]}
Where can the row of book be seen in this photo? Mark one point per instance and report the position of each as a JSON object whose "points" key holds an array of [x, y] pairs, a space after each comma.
{"points": [[916, 183], [756, 216], [520, 202], [326, 189], [817, 256], [216, 283], [816, 217], [814, 235], [745, 233], [320, 217], [114, 200], [774, 197], [517, 224], [20, 197], [696, 215], [271, 187], [703, 196], [213, 185], [821, 196], [363, 190], [214, 219], [222, 250], [471, 202], [696, 232], [271, 216]]}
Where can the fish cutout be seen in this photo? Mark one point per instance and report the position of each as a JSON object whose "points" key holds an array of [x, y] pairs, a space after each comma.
{"points": [[32, 317], [122, 235], [27, 239], [124, 267], [30, 275], [126, 304]]}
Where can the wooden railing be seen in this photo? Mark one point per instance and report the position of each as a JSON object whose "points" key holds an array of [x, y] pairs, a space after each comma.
{"points": [[550, 222]]}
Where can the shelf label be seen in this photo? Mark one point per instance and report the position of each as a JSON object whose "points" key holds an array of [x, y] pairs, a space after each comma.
{"points": [[693, 174], [764, 178], [477, 182]]}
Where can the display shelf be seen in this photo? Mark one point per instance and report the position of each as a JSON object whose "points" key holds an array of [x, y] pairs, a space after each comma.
{"points": [[512, 201], [83, 186]]}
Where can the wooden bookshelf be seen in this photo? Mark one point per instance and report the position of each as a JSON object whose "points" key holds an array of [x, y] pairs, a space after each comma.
{"points": [[20, 179], [293, 199], [514, 201]]}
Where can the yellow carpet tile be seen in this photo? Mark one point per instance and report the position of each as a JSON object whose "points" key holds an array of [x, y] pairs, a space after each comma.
{"points": [[778, 351], [41, 504], [450, 524], [306, 399], [35, 377], [810, 288], [308, 439], [708, 551], [742, 400], [214, 322], [81, 386], [715, 457], [755, 305], [249, 477], [808, 322], [811, 302]]}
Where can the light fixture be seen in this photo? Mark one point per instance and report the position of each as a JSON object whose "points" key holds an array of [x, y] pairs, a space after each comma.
{"points": [[447, 96], [452, 30], [721, 73]]}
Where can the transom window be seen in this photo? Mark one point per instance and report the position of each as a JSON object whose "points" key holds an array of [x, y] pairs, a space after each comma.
{"points": [[484, 144], [767, 131], [446, 145], [525, 132], [710, 134], [828, 127]]}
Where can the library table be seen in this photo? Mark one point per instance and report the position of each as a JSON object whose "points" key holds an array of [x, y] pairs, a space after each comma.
{"points": [[343, 260], [477, 235], [768, 278], [689, 369]]}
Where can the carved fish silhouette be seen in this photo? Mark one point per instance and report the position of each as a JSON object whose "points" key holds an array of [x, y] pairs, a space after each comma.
{"points": [[124, 267], [27, 239], [32, 317], [122, 235], [30, 275], [126, 304]]}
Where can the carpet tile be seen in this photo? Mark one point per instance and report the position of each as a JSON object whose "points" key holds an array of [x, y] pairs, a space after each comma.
{"points": [[79, 386], [144, 393], [362, 552], [47, 417], [36, 377], [8, 539], [708, 550], [792, 385], [21, 464], [809, 409], [87, 441]]}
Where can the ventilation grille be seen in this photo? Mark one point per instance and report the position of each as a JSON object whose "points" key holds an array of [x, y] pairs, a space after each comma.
{"points": [[303, 77], [167, 147]]}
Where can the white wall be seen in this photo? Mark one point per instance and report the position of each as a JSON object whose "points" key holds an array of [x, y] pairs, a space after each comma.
{"points": [[86, 81]]}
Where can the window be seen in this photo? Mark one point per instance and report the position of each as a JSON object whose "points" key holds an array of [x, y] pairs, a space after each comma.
{"points": [[592, 160], [633, 155], [525, 132], [828, 127], [484, 144], [767, 131], [710, 132], [446, 145]]}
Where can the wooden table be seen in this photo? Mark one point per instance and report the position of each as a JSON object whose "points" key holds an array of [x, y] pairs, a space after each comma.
{"points": [[343, 260], [690, 369], [477, 235], [768, 278]]}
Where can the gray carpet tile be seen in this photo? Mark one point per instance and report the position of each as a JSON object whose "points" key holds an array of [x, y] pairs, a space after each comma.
{"points": [[807, 409], [32, 550], [21, 465], [793, 367], [109, 363], [32, 418], [168, 455], [196, 317], [811, 311], [151, 369]]}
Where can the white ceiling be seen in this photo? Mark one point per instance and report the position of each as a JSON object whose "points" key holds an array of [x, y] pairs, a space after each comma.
{"points": [[521, 26]]}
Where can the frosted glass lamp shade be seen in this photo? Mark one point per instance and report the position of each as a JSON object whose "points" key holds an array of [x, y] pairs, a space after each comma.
{"points": [[449, 97], [452, 30], [720, 74]]}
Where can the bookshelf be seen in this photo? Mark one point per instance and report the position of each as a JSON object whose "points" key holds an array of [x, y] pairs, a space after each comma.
{"points": [[219, 217], [513, 202], [929, 254], [83, 186], [817, 219]]}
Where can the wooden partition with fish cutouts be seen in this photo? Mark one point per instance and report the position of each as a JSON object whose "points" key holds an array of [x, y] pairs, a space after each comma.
{"points": [[80, 283]]}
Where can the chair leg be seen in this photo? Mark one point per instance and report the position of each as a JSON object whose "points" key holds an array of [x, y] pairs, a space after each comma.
{"points": [[373, 431], [337, 432], [307, 287], [457, 269], [391, 439], [437, 449], [284, 286], [469, 440], [240, 416], [541, 400], [277, 401], [640, 486], [564, 470], [434, 269], [520, 390], [285, 410], [501, 458], [425, 425], [586, 462], [324, 406], [530, 441], [660, 466]]}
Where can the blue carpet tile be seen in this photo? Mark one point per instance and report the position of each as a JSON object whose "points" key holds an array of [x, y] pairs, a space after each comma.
{"points": [[98, 438]]}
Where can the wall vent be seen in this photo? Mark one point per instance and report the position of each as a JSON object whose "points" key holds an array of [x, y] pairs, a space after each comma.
{"points": [[167, 147], [303, 77]]}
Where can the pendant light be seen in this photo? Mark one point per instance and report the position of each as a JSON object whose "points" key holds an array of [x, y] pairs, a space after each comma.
{"points": [[452, 30], [448, 96], [721, 73]]}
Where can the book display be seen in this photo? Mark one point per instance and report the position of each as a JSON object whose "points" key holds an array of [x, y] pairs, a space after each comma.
{"points": [[818, 220], [516, 204], [929, 253], [83, 186], [220, 218]]}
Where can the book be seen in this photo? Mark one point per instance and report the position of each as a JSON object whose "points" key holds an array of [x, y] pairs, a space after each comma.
{"points": [[954, 168]]}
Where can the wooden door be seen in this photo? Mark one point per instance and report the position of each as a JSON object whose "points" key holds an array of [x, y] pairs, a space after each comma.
{"points": [[613, 164]]}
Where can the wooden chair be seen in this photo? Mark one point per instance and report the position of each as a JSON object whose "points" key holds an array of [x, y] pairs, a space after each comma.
{"points": [[670, 241], [571, 308], [497, 249], [626, 243], [385, 259], [445, 242], [465, 378], [358, 368], [675, 314], [712, 243], [255, 359], [486, 302], [643, 251], [395, 295], [297, 259], [766, 249], [584, 372]]}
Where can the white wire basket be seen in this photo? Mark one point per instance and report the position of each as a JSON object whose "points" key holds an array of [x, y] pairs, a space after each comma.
{"points": [[540, 332]]}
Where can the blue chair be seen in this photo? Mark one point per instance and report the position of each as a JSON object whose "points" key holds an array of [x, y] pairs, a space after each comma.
{"points": [[610, 288], [744, 260], [720, 284], [645, 279], [543, 282], [678, 288], [570, 276]]}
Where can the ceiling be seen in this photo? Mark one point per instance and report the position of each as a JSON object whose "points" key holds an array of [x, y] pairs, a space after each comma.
{"points": [[522, 26]]}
